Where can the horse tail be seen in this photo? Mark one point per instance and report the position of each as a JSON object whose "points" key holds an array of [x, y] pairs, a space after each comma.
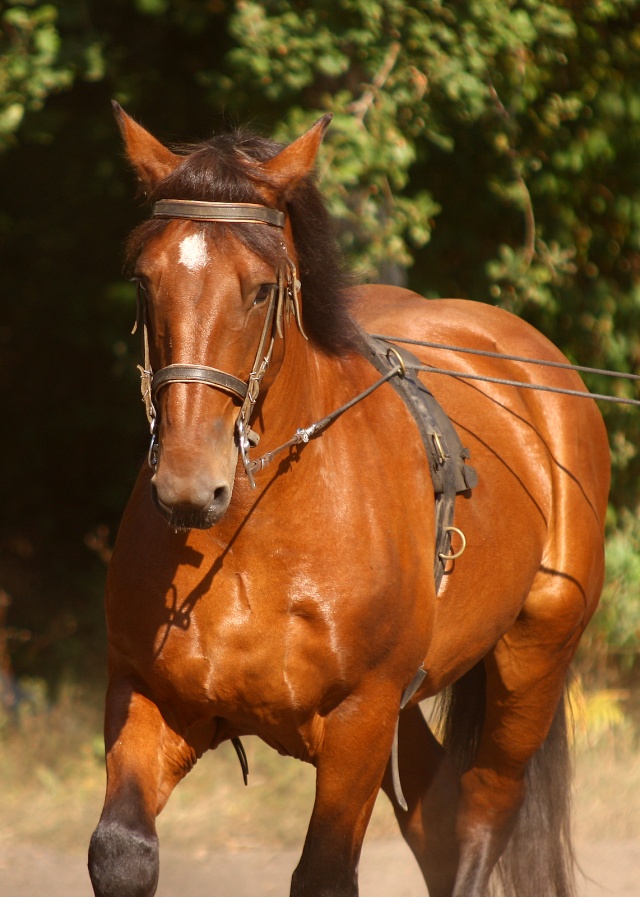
{"points": [[539, 857]]}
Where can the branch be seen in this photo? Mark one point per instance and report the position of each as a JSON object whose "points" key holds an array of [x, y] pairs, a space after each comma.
{"points": [[529, 217], [360, 107]]}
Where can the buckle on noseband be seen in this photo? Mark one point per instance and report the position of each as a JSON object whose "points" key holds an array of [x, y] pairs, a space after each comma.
{"points": [[152, 454]]}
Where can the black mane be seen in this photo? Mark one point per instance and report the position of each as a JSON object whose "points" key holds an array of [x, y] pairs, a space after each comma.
{"points": [[221, 170]]}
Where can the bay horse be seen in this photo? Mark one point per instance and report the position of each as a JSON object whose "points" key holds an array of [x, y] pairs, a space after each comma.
{"points": [[297, 601]]}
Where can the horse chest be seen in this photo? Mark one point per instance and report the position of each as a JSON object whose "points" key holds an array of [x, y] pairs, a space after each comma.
{"points": [[268, 635], [240, 663]]}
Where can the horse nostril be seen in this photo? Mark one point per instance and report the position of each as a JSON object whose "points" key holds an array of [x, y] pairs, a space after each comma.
{"points": [[221, 498], [188, 507]]}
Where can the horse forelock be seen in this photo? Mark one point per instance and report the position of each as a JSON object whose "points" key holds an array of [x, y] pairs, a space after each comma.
{"points": [[227, 168]]}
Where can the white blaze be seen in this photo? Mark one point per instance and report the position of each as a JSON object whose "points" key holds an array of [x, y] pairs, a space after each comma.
{"points": [[193, 252]]}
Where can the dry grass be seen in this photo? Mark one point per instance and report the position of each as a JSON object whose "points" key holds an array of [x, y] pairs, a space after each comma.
{"points": [[52, 781], [607, 786]]}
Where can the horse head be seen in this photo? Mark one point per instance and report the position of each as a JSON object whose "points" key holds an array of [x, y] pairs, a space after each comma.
{"points": [[216, 269]]}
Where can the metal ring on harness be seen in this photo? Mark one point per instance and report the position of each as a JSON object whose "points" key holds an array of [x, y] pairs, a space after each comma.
{"points": [[392, 351], [455, 555]]}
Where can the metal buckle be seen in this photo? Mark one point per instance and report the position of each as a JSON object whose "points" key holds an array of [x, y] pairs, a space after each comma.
{"points": [[244, 444], [152, 455], [437, 441]]}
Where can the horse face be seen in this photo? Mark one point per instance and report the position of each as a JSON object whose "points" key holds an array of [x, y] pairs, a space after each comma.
{"points": [[206, 301], [206, 292]]}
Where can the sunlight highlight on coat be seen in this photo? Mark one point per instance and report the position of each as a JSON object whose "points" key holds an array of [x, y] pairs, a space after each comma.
{"points": [[193, 252]]}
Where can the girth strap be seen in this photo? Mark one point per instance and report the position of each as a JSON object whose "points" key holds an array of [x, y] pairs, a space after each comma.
{"points": [[445, 453]]}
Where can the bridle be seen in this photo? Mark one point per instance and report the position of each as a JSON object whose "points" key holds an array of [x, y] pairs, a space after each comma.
{"points": [[283, 301]]}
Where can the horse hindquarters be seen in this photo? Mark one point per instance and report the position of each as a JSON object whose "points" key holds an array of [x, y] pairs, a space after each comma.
{"points": [[455, 860]]}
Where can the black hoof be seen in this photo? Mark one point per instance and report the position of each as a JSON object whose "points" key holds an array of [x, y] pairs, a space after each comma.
{"points": [[123, 863]]}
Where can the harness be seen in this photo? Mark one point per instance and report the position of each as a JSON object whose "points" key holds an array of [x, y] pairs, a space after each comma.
{"points": [[446, 455]]}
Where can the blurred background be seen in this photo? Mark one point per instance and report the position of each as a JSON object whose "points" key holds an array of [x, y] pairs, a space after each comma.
{"points": [[478, 149]]}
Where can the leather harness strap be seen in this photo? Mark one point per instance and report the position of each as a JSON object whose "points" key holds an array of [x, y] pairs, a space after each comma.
{"points": [[450, 476], [446, 455], [232, 212], [198, 373]]}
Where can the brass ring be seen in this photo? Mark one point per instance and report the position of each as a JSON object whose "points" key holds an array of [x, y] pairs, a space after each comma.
{"points": [[392, 351], [455, 555]]}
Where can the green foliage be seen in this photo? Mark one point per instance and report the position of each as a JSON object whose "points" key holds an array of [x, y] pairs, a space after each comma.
{"points": [[614, 633], [32, 63], [30, 45], [401, 79]]}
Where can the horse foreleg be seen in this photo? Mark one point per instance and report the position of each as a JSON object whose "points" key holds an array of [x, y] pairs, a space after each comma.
{"points": [[431, 786], [144, 760], [350, 765]]}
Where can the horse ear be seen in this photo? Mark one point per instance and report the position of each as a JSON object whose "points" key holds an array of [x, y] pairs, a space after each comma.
{"points": [[151, 160], [296, 161]]}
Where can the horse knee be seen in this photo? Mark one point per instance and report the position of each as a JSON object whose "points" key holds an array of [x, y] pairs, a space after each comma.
{"points": [[123, 862]]}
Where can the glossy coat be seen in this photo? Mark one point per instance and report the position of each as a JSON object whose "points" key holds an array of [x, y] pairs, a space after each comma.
{"points": [[305, 610]]}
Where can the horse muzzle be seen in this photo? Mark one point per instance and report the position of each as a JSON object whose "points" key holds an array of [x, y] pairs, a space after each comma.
{"points": [[190, 502]]}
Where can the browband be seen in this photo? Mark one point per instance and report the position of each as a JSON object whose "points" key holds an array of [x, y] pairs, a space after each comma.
{"points": [[236, 212]]}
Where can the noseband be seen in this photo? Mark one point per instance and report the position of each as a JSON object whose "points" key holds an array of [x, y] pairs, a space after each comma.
{"points": [[284, 298]]}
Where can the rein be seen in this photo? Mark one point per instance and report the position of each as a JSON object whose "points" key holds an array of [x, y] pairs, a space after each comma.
{"points": [[304, 434], [285, 299], [500, 355]]}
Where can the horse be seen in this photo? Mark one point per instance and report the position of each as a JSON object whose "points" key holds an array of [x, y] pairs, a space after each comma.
{"points": [[296, 600]]}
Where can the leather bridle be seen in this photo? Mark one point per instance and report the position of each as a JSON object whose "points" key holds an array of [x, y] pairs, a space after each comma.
{"points": [[284, 299]]}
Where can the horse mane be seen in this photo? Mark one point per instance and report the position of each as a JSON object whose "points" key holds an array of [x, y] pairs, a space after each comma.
{"points": [[226, 168]]}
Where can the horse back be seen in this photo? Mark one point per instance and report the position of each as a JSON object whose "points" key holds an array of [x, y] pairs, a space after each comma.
{"points": [[565, 423]]}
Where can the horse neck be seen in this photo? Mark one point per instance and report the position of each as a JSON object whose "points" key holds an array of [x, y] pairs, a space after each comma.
{"points": [[310, 384]]}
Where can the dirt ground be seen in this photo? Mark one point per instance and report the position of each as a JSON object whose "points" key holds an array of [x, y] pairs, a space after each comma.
{"points": [[387, 870], [218, 838]]}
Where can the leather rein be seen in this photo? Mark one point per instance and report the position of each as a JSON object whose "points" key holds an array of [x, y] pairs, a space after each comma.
{"points": [[284, 301]]}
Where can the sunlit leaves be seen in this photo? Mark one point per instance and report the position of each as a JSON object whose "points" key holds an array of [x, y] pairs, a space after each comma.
{"points": [[29, 66]]}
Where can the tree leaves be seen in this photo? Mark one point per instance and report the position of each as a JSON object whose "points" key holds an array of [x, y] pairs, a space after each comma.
{"points": [[30, 68]]}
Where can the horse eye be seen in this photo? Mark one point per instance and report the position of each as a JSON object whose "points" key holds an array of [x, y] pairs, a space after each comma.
{"points": [[263, 293]]}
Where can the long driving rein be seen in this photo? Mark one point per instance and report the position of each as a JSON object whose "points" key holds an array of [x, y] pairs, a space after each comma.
{"points": [[285, 300]]}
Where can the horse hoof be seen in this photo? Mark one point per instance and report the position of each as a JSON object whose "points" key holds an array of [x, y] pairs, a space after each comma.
{"points": [[122, 862]]}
